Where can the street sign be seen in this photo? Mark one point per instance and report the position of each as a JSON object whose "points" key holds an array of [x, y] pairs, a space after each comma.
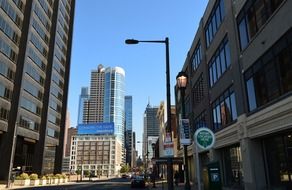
{"points": [[185, 132], [204, 138]]}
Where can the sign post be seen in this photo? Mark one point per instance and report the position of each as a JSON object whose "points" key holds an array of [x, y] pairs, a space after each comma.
{"points": [[204, 139]]}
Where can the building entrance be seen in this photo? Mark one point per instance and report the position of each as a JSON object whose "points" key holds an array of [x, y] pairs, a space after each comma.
{"points": [[24, 153]]}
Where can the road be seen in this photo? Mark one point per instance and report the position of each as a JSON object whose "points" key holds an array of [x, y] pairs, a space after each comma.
{"points": [[111, 184]]}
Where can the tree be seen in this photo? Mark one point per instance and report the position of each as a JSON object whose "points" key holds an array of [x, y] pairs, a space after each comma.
{"points": [[125, 169]]}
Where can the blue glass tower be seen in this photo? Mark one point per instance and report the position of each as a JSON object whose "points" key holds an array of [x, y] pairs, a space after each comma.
{"points": [[128, 129], [114, 100], [84, 96]]}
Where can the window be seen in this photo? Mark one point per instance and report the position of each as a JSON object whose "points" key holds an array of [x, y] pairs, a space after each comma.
{"points": [[214, 21], [198, 90], [224, 110], [200, 121], [197, 56], [232, 166], [271, 76], [220, 62], [252, 17]]}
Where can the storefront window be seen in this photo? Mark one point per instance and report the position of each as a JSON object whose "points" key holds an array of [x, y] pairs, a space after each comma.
{"points": [[232, 165], [279, 158]]}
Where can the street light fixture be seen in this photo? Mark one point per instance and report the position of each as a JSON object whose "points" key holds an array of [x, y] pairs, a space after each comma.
{"points": [[168, 127], [181, 81]]}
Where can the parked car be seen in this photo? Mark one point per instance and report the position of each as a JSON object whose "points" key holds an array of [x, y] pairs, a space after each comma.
{"points": [[138, 181], [125, 175]]}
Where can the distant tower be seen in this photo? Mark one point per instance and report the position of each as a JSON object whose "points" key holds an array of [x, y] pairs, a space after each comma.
{"points": [[84, 97], [151, 127], [129, 130]]}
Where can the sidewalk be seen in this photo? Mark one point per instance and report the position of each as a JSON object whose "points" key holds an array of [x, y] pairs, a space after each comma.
{"points": [[162, 185]]}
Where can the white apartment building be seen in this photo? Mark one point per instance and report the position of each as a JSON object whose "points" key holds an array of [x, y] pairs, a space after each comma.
{"points": [[99, 154]]}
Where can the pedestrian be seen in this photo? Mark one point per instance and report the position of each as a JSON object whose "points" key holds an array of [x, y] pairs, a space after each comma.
{"points": [[176, 177]]}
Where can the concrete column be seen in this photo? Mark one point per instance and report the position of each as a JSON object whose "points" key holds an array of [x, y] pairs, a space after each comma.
{"points": [[253, 164]]}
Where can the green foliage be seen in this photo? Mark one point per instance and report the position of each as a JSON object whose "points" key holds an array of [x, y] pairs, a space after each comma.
{"points": [[43, 177], [86, 173], [33, 176], [58, 176], [125, 169], [22, 176], [64, 176], [50, 176], [78, 172]]}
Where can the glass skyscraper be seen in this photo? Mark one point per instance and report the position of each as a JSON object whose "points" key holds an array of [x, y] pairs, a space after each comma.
{"points": [[128, 129], [84, 96], [114, 100]]}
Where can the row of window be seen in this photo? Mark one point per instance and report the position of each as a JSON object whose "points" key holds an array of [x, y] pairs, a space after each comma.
{"points": [[220, 62], [42, 17], [36, 59], [61, 45], [8, 51], [30, 106], [57, 80], [52, 133], [46, 8], [38, 44], [19, 4], [5, 92], [214, 21], [271, 75], [63, 13], [7, 29], [253, 16], [197, 56], [33, 73], [6, 71], [200, 121], [198, 90], [54, 119], [58, 68], [55, 106], [224, 110], [4, 114], [56, 92], [60, 57], [4, 4], [28, 123], [40, 31], [32, 89]]}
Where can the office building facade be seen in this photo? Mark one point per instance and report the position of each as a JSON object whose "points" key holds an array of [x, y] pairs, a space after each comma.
{"points": [[35, 46], [98, 154], [128, 130], [151, 129], [239, 85], [93, 107], [83, 98]]}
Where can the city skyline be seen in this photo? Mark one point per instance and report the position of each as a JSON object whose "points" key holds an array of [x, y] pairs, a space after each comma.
{"points": [[144, 64]]}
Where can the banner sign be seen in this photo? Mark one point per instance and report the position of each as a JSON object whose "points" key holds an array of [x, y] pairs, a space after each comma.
{"points": [[96, 129], [185, 132]]}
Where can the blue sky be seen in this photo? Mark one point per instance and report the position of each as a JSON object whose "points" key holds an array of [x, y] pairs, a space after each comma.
{"points": [[100, 29]]}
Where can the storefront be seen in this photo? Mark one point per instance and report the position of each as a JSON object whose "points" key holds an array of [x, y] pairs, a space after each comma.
{"points": [[278, 160]]}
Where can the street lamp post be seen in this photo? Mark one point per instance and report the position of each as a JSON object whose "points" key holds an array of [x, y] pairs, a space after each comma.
{"points": [[168, 127], [181, 80], [153, 167]]}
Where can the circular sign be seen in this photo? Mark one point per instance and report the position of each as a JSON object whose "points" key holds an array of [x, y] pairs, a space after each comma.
{"points": [[204, 138]]}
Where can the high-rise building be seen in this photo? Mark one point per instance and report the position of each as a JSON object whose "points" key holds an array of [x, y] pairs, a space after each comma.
{"points": [[128, 130], [151, 128], [84, 97], [240, 86], [35, 46], [93, 108], [114, 101]]}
